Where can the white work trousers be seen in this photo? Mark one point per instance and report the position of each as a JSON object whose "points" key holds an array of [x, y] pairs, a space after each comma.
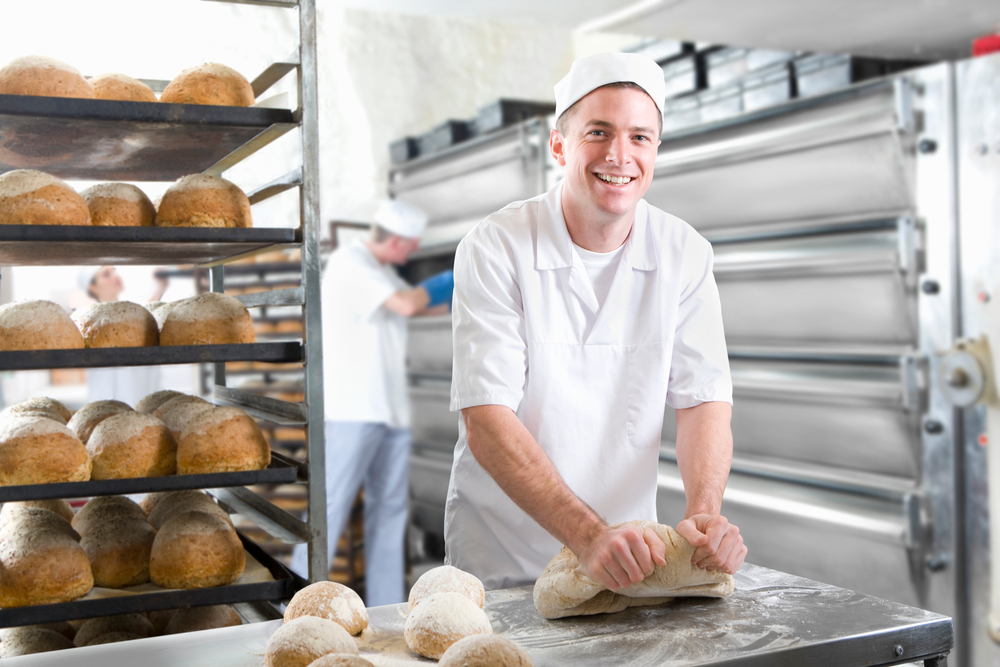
{"points": [[378, 457]]}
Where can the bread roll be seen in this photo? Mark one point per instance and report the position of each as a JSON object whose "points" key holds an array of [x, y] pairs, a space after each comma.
{"points": [[332, 601], [196, 550], [41, 565], [159, 619], [29, 197], [222, 440], [105, 508], [37, 325], [59, 506], [118, 205], [86, 419], [202, 618], [302, 640], [160, 310], [340, 660], [117, 324], [118, 549], [18, 517], [36, 450], [149, 403], [179, 410], [210, 83], [446, 579], [96, 627], [48, 77], [131, 444], [180, 502], [442, 619], [61, 627], [199, 200], [207, 319], [29, 640], [41, 405], [121, 87], [485, 651]]}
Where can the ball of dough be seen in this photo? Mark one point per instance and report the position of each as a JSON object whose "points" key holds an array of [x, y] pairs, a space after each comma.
{"points": [[59, 506], [48, 77], [131, 444], [29, 640], [485, 651], [105, 508], [118, 205], [302, 640], [96, 627], [442, 619], [37, 325], [118, 550], [446, 579], [85, 420], [207, 319], [41, 565], [199, 200], [40, 405], [121, 87], [150, 402], [36, 450], [196, 550], [332, 601], [340, 660], [210, 83], [29, 197], [179, 502], [202, 618], [117, 324], [222, 440], [178, 411]]}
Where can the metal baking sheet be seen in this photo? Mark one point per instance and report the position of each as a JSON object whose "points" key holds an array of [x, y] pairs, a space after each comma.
{"points": [[22, 360], [116, 140], [263, 579], [54, 245]]}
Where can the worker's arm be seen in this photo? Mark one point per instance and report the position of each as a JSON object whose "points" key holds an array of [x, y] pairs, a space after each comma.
{"points": [[704, 454], [428, 296], [508, 452]]}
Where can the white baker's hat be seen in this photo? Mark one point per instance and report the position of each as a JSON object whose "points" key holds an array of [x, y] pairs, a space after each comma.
{"points": [[86, 276], [401, 218], [590, 73]]}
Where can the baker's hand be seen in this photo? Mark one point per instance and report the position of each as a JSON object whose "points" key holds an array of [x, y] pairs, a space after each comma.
{"points": [[718, 543], [620, 557]]}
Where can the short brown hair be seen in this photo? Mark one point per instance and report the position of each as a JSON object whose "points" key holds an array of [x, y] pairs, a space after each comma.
{"points": [[564, 119]]}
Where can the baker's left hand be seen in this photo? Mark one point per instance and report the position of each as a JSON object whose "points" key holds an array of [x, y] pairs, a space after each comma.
{"points": [[718, 543]]}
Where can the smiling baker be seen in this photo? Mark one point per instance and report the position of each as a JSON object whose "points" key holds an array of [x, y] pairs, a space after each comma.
{"points": [[578, 315]]}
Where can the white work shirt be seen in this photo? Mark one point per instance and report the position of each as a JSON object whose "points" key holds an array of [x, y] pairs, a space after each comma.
{"points": [[592, 397], [364, 344]]}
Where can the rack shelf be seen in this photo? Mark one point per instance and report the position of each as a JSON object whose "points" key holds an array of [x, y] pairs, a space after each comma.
{"points": [[279, 352]]}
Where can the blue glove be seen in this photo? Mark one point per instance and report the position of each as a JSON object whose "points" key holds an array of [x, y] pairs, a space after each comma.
{"points": [[439, 288]]}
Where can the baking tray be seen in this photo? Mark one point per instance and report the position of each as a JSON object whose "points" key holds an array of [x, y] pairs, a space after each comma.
{"points": [[23, 360], [124, 141], [264, 578]]}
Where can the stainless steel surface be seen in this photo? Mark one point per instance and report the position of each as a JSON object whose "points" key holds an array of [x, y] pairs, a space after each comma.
{"points": [[274, 73], [281, 184], [429, 344], [276, 521], [281, 297], [430, 472], [432, 423], [289, 413], [246, 150]]}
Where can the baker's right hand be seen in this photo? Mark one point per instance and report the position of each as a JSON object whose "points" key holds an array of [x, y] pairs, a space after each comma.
{"points": [[620, 557]]}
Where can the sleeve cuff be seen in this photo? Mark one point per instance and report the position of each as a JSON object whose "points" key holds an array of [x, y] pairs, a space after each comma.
{"points": [[505, 398], [683, 402]]}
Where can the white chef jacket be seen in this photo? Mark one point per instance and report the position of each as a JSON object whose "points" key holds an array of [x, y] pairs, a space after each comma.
{"points": [[593, 399], [364, 344]]}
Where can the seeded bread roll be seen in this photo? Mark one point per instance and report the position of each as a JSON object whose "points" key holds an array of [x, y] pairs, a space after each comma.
{"points": [[332, 601], [41, 405], [180, 502], [210, 83], [41, 565], [447, 579], [37, 325], [60, 627], [202, 618], [117, 324], [222, 440], [151, 402], [485, 651], [29, 197], [86, 419], [105, 508], [59, 506], [302, 640], [131, 444], [118, 549], [178, 411], [36, 450], [97, 627], [196, 550], [118, 205], [121, 87], [19, 517], [207, 319], [442, 619], [199, 200], [29, 640], [48, 77]]}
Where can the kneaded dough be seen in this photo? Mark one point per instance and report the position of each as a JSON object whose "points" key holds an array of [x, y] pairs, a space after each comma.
{"points": [[442, 619], [446, 579], [563, 590], [485, 651], [332, 601], [302, 640]]}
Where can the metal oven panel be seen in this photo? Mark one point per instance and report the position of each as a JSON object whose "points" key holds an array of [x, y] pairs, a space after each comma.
{"points": [[429, 343]]}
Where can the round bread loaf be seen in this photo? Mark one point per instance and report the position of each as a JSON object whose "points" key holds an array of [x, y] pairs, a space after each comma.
{"points": [[132, 444], [446, 579], [302, 640], [43, 405], [160, 310], [30, 639], [118, 205], [121, 87], [179, 410], [114, 638], [36, 450], [85, 420], [221, 440], [48, 77], [61, 627], [22, 517], [332, 601], [149, 403], [37, 325], [202, 618], [485, 651], [207, 319], [59, 506], [29, 197], [199, 200], [118, 549], [136, 624], [196, 550], [340, 660], [41, 565], [442, 619], [117, 324], [150, 500], [105, 508], [210, 83], [159, 619], [180, 502]]}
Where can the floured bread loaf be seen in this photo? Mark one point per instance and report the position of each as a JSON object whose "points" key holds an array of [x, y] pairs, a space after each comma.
{"points": [[29, 197], [104, 508], [37, 325], [302, 640], [19, 516], [118, 205], [41, 564], [41, 406], [160, 310], [210, 83], [340, 660], [207, 319], [202, 618], [114, 638], [447, 579], [96, 627], [332, 601], [221, 440], [39, 75], [442, 619], [149, 403], [179, 410], [199, 200], [121, 87], [29, 640], [485, 651], [85, 420], [117, 324], [196, 550], [563, 590], [118, 549], [59, 506], [36, 450], [61, 627], [180, 502], [131, 444]]}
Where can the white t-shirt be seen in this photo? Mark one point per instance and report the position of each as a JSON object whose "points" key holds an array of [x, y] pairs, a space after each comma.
{"points": [[601, 268], [364, 344]]}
